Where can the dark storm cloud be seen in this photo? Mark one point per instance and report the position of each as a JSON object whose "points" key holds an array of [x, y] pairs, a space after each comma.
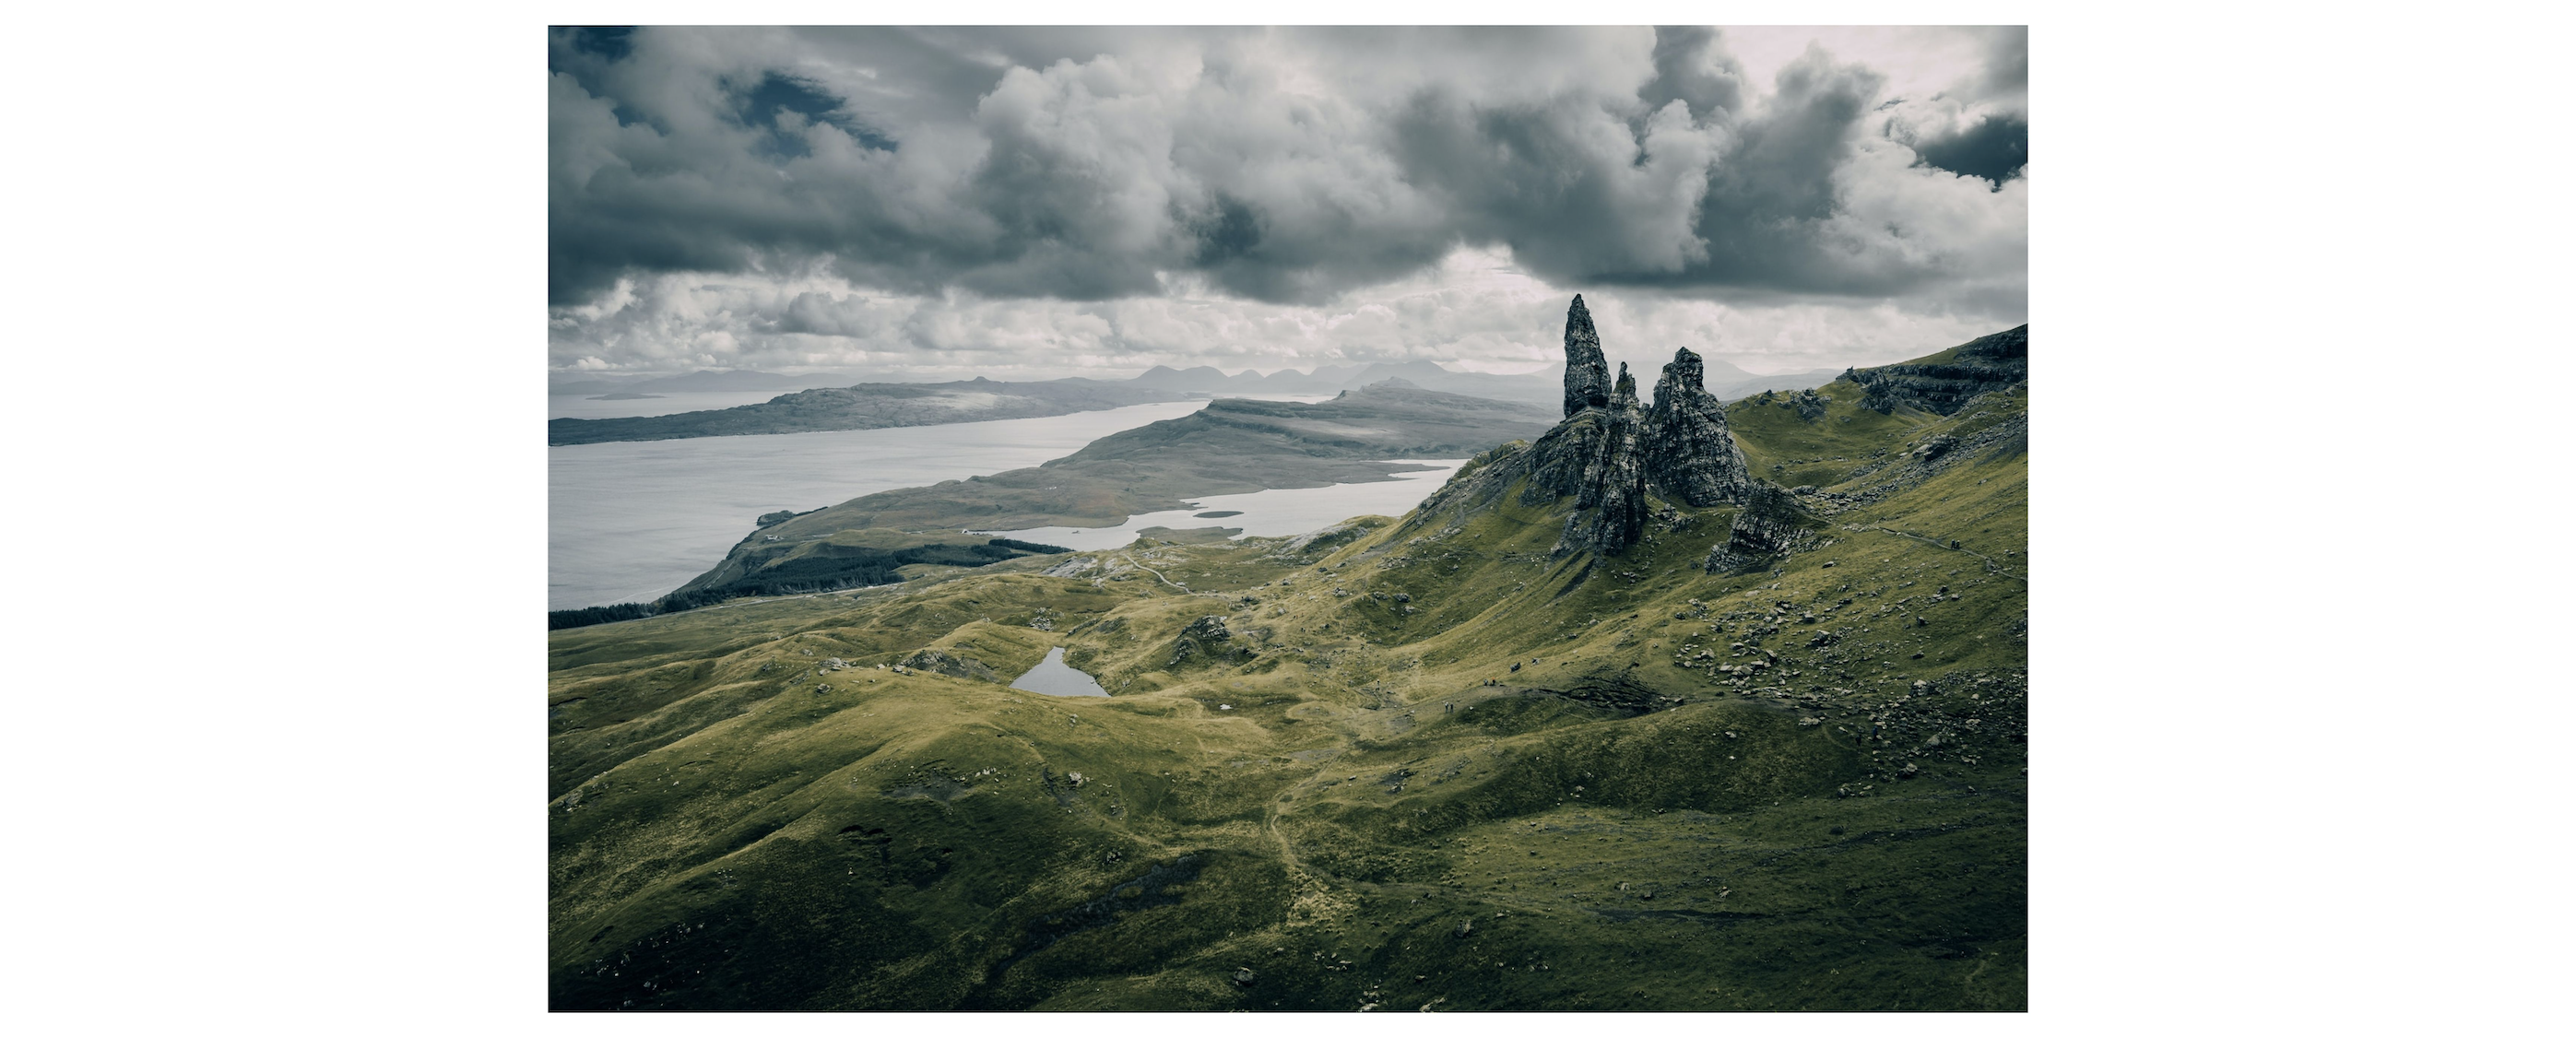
{"points": [[2007, 60], [1689, 69], [1994, 144], [1286, 167], [1768, 201], [1995, 149]]}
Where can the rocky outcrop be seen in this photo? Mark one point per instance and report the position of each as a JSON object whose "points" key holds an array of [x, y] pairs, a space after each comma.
{"points": [[1772, 524], [1689, 454], [932, 660], [1587, 373], [1204, 638], [1610, 454], [1946, 381]]}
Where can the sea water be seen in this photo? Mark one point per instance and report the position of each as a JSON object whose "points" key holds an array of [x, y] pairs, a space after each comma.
{"points": [[1264, 513], [634, 521]]}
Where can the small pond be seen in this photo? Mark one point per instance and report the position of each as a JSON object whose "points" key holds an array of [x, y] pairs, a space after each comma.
{"points": [[1052, 677]]}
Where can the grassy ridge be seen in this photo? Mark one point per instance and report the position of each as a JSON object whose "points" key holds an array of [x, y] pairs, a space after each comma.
{"points": [[1351, 798]]}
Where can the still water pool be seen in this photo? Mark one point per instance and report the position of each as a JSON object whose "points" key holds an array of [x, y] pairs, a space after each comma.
{"points": [[1052, 677]]}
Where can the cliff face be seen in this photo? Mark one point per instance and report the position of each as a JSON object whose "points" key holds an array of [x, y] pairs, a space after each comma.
{"points": [[1947, 380], [1596, 457]]}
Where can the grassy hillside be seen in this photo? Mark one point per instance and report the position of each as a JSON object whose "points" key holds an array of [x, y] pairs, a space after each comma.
{"points": [[1413, 763]]}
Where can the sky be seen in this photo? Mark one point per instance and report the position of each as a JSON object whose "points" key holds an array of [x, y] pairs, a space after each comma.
{"points": [[924, 204]]}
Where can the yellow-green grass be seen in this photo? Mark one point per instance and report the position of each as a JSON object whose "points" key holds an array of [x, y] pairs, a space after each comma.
{"points": [[1346, 786]]}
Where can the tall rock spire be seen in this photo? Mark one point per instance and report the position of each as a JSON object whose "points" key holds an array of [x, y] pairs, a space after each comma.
{"points": [[1689, 454], [1587, 373]]}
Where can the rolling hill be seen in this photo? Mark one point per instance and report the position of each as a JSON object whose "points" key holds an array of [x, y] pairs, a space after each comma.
{"points": [[1690, 706]]}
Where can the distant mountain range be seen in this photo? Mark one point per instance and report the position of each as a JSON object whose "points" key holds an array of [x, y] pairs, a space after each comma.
{"points": [[868, 405], [701, 381], [1725, 381]]}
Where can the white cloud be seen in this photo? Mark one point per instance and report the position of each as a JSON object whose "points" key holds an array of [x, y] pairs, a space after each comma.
{"points": [[1477, 310], [1097, 201]]}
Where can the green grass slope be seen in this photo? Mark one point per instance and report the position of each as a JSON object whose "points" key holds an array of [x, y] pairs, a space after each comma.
{"points": [[1414, 763]]}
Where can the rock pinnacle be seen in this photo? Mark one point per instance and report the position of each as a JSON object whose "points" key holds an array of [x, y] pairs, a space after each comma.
{"points": [[1587, 373]]}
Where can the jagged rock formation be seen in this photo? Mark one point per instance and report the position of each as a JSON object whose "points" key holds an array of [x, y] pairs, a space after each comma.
{"points": [[1810, 405], [1597, 458], [1692, 458], [1204, 637], [1609, 453], [1772, 524], [932, 660], [1947, 380], [1587, 373]]}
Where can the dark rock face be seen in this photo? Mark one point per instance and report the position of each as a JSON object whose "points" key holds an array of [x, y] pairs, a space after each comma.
{"points": [[1610, 496], [1587, 373], [1772, 524], [1810, 405], [1974, 368], [1689, 454]]}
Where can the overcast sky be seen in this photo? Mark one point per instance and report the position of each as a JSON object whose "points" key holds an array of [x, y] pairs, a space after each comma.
{"points": [[1031, 203]]}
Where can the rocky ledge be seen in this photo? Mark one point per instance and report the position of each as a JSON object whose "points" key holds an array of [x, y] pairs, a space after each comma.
{"points": [[1947, 380]]}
